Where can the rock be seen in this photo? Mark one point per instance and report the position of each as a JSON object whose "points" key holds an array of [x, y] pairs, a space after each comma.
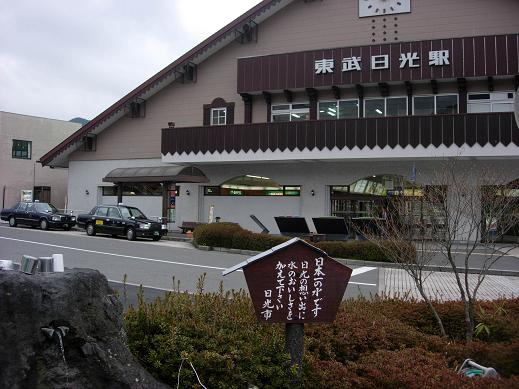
{"points": [[78, 304]]}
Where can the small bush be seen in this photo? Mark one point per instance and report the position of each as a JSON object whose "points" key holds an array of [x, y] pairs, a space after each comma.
{"points": [[501, 317], [372, 344], [216, 234], [360, 249], [232, 236], [415, 368], [217, 332]]}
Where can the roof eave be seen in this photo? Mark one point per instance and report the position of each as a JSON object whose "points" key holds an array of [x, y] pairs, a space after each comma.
{"points": [[168, 73]]}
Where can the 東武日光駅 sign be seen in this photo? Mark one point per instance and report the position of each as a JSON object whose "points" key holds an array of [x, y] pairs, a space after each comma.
{"points": [[480, 56], [295, 282]]}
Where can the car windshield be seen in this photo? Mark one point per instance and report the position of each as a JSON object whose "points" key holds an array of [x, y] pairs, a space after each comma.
{"points": [[129, 212], [45, 207]]}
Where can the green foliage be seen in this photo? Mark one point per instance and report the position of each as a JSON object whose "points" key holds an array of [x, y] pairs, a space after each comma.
{"points": [[361, 250], [379, 343], [217, 332], [231, 235]]}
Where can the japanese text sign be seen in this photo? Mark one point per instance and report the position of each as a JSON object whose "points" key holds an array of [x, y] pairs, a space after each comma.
{"points": [[296, 283], [447, 59]]}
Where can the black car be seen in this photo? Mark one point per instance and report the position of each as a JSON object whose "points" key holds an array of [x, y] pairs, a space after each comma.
{"points": [[43, 215], [121, 220]]}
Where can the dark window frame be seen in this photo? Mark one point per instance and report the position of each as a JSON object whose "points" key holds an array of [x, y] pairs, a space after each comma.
{"points": [[18, 153], [90, 143], [218, 103], [226, 192], [40, 193]]}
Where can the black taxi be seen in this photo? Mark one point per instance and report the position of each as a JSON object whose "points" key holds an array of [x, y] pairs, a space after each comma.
{"points": [[121, 220], [36, 214]]}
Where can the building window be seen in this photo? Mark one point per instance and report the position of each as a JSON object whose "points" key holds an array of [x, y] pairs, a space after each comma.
{"points": [[218, 113], [22, 149], [42, 194], [109, 190], [290, 112], [89, 143], [218, 116], [385, 106], [137, 189], [490, 102], [341, 109], [252, 186], [438, 104]]}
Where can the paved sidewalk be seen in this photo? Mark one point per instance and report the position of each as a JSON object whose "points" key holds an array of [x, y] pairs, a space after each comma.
{"points": [[513, 252], [442, 286]]}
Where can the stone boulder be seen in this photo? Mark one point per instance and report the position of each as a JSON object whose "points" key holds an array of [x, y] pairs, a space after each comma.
{"points": [[77, 306]]}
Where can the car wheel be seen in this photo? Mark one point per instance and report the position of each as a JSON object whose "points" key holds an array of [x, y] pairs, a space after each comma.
{"points": [[130, 234], [90, 230], [12, 221], [156, 238], [44, 224]]}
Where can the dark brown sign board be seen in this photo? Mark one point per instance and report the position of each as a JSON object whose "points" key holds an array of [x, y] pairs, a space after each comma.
{"points": [[295, 282], [292, 225]]}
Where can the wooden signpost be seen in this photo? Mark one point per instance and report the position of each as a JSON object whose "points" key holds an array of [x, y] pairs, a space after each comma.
{"points": [[295, 283]]}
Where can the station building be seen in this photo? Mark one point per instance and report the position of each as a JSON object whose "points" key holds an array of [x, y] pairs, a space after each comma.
{"points": [[308, 108]]}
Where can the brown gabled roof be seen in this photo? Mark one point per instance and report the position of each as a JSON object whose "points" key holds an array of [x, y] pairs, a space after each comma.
{"points": [[150, 83]]}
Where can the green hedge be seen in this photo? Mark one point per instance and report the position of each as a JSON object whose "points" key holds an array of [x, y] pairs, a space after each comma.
{"points": [[371, 344], [231, 235], [358, 249]]}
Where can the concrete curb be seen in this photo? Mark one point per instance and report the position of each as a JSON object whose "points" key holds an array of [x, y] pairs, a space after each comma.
{"points": [[356, 262]]}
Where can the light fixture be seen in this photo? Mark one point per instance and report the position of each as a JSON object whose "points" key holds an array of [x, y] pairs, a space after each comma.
{"points": [[87, 192], [312, 192], [378, 111], [188, 192], [260, 177]]}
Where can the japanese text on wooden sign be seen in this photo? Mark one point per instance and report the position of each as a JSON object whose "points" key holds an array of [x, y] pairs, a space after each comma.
{"points": [[300, 286], [296, 284]]}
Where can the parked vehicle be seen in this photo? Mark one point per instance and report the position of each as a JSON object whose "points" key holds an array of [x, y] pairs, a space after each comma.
{"points": [[121, 220], [36, 214]]}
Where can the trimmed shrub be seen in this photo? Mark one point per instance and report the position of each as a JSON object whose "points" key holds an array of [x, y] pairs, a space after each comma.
{"points": [[216, 234], [414, 368], [360, 249], [501, 317], [371, 344], [217, 332], [232, 236]]}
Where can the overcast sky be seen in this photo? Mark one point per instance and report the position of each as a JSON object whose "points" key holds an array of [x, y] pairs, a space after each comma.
{"points": [[67, 58]]}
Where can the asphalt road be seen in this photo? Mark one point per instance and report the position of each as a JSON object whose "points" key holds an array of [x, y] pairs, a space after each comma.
{"points": [[151, 264]]}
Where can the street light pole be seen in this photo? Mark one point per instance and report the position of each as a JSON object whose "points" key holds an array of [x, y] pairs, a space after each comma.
{"points": [[33, 179]]}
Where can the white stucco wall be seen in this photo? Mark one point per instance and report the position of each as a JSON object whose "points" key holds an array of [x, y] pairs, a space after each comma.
{"points": [[316, 176], [239, 209], [88, 176]]}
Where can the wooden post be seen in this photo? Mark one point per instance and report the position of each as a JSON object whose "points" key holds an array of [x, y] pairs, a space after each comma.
{"points": [[294, 345]]}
